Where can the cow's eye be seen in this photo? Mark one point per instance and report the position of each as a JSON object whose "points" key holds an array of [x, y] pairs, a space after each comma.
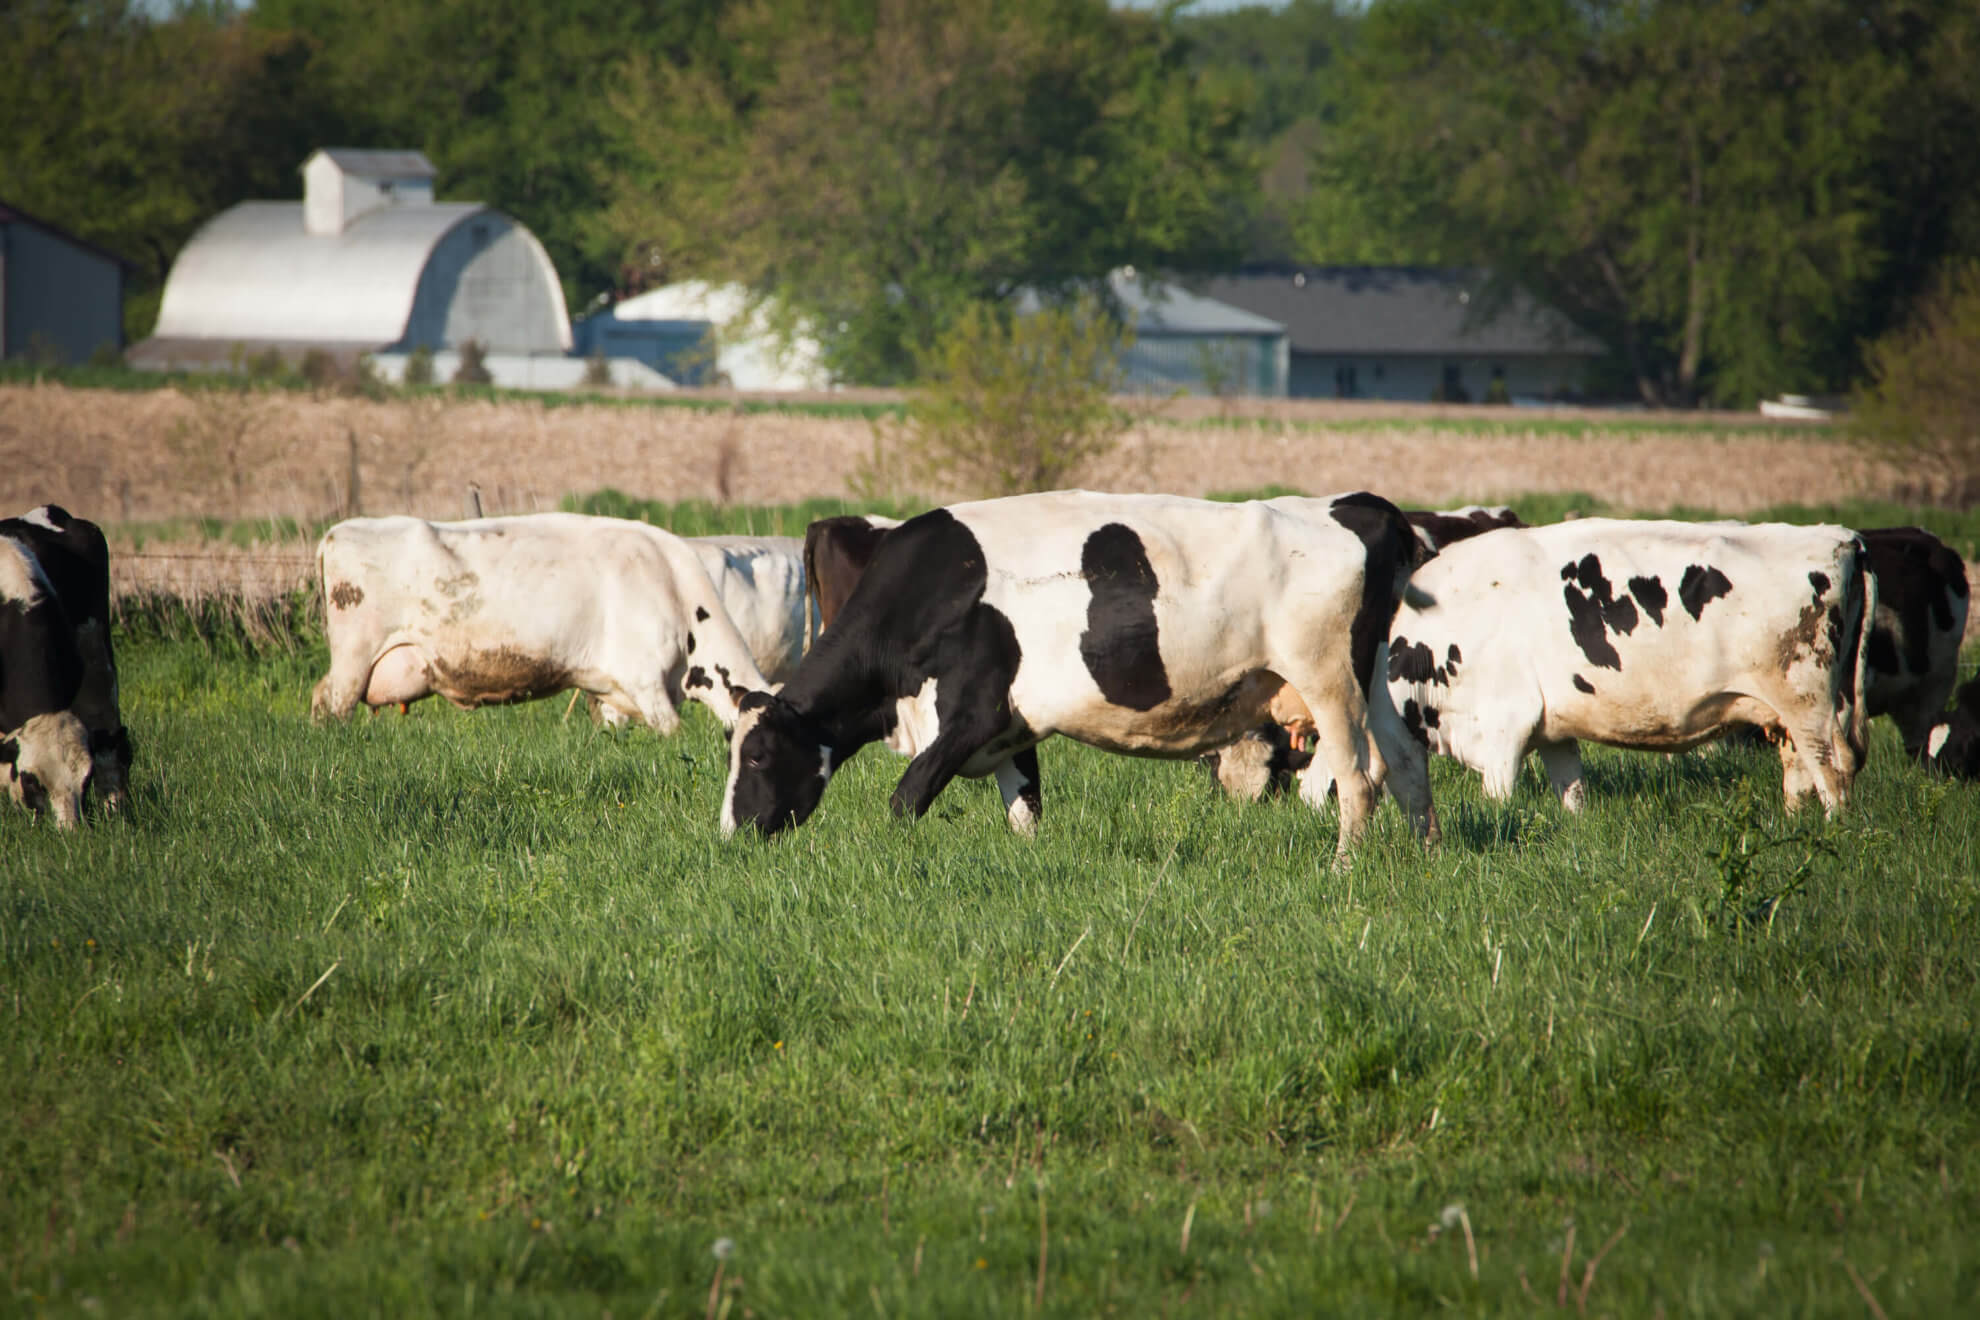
{"points": [[755, 762]]}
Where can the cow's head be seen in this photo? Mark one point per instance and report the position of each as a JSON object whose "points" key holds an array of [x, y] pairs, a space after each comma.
{"points": [[1953, 745], [48, 766], [1258, 765], [779, 764]]}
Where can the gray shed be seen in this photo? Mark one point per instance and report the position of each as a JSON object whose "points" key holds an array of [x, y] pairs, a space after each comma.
{"points": [[1409, 333], [367, 262], [60, 297]]}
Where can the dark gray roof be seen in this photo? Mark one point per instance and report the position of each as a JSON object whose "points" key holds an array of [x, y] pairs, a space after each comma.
{"points": [[381, 164], [1393, 310]]}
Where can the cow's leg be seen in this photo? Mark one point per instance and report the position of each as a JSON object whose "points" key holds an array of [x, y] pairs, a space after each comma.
{"points": [[657, 708], [1813, 762], [1342, 727], [1017, 781], [963, 732], [1407, 760], [338, 692], [1563, 762]]}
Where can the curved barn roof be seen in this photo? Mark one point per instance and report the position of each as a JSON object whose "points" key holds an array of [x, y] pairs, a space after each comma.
{"points": [[253, 273]]}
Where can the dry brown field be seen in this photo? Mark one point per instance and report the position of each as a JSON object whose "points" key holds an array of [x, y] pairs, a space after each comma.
{"points": [[127, 458]]}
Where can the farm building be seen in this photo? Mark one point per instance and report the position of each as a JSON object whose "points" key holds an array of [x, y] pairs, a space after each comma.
{"points": [[1408, 333], [367, 262], [61, 299], [1203, 345], [698, 333]]}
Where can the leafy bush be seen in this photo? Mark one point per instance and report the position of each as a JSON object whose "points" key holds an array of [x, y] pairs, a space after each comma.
{"points": [[474, 365], [320, 369], [1009, 403], [419, 366], [1922, 402]]}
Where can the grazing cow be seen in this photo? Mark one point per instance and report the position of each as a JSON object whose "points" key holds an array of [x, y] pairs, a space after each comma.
{"points": [[1437, 528], [43, 743], [1921, 617], [1656, 635], [76, 559], [836, 552], [498, 610], [1952, 745], [1145, 624]]}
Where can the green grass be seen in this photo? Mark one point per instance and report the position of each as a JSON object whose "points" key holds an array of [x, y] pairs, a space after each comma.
{"points": [[454, 1013]]}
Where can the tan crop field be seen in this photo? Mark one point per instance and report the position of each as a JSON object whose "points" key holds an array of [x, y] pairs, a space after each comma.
{"points": [[130, 458]]}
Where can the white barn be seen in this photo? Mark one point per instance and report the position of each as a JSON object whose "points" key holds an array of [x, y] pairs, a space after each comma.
{"points": [[367, 262]]}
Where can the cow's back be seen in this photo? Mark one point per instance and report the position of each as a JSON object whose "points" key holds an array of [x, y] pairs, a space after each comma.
{"points": [[761, 581], [1634, 633]]}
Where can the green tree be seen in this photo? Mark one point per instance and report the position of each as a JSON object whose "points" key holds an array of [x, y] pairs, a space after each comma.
{"points": [[501, 97], [1011, 403], [883, 165], [131, 132], [1921, 403], [1691, 180]]}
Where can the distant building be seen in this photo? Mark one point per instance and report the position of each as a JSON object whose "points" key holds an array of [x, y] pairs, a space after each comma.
{"points": [[1408, 333], [707, 334], [1201, 345], [698, 333], [367, 262], [61, 299]]}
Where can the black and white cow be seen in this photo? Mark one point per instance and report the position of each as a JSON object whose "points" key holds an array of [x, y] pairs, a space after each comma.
{"points": [[498, 610], [44, 747], [1654, 635], [1921, 617], [1437, 528], [1952, 744], [1145, 624], [76, 560], [836, 553]]}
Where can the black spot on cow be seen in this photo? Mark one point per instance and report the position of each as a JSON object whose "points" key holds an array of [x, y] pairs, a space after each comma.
{"points": [[697, 678], [1883, 654], [1413, 721], [1392, 551], [690, 644], [1452, 657], [347, 595], [1650, 594], [1584, 685], [1431, 718], [1700, 586], [1412, 662], [1819, 581], [700, 614], [1121, 643], [1594, 611]]}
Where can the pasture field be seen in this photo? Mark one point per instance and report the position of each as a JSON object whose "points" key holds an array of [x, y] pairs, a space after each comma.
{"points": [[478, 1014]]}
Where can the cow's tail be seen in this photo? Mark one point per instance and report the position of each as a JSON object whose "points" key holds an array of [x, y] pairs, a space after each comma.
{"points": [[1857, 662]]}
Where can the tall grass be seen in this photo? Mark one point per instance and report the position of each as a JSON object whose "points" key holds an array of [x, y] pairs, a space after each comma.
{"points": [[452, 1013]]}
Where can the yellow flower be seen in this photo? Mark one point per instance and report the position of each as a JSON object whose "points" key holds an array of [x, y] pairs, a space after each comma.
{"points": [[982, 1264]]}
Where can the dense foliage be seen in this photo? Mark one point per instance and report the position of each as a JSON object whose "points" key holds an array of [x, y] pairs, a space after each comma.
{"points": [[1734, 197]]}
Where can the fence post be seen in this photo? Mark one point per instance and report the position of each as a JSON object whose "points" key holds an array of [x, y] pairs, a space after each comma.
{"points": [[354, 499], [474, 500]]}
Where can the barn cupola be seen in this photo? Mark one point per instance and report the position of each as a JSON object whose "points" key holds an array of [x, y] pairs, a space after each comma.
{"points": [[341, 184]]}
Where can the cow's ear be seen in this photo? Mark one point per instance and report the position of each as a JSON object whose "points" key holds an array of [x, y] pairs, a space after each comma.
{"points": [[754, 700], [10, 750]]}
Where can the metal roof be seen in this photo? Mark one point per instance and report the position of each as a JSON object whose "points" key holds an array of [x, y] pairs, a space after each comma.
{"points": [[1155, 307], [379, 164], [11, 214], [1346, 310], [253, 273]]}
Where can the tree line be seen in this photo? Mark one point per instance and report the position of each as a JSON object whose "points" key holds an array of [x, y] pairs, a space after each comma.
{"points": [[1737, 198]]}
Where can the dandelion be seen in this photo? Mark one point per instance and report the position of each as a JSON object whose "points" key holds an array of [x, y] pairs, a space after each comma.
{"points": [[723, 1248], [982, 1264]]}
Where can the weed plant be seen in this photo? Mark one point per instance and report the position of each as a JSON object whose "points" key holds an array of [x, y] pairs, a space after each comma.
{"points": [[448, 1013]]}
